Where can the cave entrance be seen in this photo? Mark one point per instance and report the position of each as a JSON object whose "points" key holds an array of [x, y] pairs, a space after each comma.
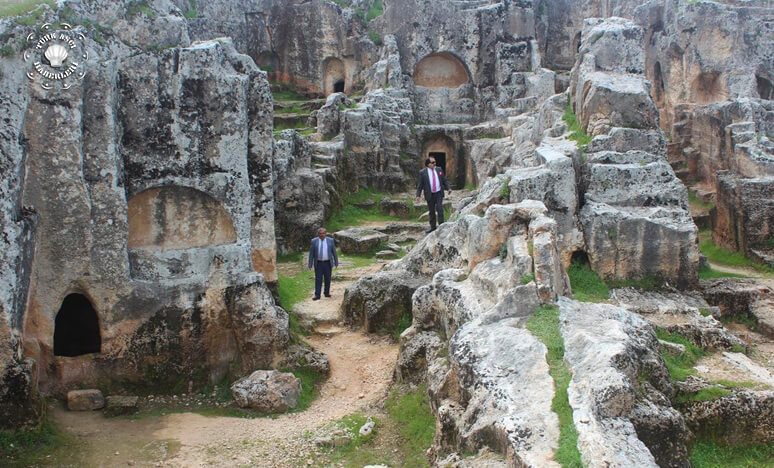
{"points": [[76, 327], [765, 88], [448, 157], [334, 76], [440, 159]]}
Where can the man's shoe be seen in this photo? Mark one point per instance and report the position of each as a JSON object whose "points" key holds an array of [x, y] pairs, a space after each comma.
{"points": [[429, 231], [316, 298], [327, 295]]}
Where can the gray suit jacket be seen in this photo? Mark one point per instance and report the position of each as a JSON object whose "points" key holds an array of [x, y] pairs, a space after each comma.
{"points": [[315, 247]]}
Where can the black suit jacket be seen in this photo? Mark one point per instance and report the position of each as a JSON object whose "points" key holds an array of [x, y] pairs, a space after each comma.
{"points": [[423, 184]]}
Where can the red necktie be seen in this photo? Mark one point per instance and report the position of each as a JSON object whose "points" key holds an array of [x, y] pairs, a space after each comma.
{"points": [[432, 178]]}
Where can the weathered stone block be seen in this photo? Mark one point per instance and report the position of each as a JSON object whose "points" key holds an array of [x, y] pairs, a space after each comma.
{"points": [[359, 240], [117, 405], [85, 400]]}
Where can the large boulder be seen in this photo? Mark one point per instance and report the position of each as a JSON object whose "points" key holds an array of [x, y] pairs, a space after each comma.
{"points": [[268, 391], [745, 417], [378, 301]]}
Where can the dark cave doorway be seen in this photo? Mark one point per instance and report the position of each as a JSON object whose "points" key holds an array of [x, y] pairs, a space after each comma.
{"points": [[338, 87], [76, 328], [440, 159]]}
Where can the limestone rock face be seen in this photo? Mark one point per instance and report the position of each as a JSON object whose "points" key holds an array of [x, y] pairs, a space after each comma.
{"points": [[633, 204], [329, 115], [149, 190], [301, 200], [620, 389], [744, 417], [267, 391], [743, 299]]}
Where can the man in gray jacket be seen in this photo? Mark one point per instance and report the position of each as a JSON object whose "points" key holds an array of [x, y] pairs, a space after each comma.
{"points": [[322, 254]]}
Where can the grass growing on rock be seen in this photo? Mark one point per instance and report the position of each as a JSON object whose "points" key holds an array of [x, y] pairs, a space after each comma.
{"points": [[586, 284], [15, 7], [411, 412], [721, 256], [680, 366], [578, 134], [706, 454], [707, 272], [351, 215], [544, 324]]}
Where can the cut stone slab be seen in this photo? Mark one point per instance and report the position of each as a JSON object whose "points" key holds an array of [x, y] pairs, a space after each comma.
{"points": [[268, 391], [392, 207], [384, 254], [118, 405], [85, 400], [359, 240]]}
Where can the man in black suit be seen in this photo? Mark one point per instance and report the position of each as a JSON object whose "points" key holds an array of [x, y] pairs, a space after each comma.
{"points": [[322, 254], [433, 182]]}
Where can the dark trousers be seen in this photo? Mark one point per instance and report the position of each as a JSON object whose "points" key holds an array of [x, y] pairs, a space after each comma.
{"points": [[435, 205], [322, 269]]}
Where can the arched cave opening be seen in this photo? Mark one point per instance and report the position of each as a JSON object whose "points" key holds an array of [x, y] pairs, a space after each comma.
{"points": [[580, 258], [765, 88], [76, 327], [334, 74], [447, 157]]}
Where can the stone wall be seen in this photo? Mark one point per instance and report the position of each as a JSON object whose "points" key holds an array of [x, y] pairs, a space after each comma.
{"points": [[147, 191]]}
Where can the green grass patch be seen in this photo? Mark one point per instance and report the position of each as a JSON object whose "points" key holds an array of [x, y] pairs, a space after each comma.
{"points": [[287, 92], [288, 126], [706, 272], [505, 189], [648, 283], [7, 50], [586, 284], [190, 13], [721, 256], [16, 7], [705, 394], [578, 134], [375, 37], [310, 387], [680, 366], [544, 324], [140, 7], [37, 446], [410, 411], [376, 10], [735, 384], [292, 290], [487, 136], [350, 215], [354, 453], [294, 109], [526, 279], [706, 454]]}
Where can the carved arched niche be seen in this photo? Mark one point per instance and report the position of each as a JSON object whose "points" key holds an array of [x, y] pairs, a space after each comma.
{"points": [[176, 217], [441, 70], [708, 87], [334, 76]]}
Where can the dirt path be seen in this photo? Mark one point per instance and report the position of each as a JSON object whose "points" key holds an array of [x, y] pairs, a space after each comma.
{"points": [[361, 373], [751, 272]]}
